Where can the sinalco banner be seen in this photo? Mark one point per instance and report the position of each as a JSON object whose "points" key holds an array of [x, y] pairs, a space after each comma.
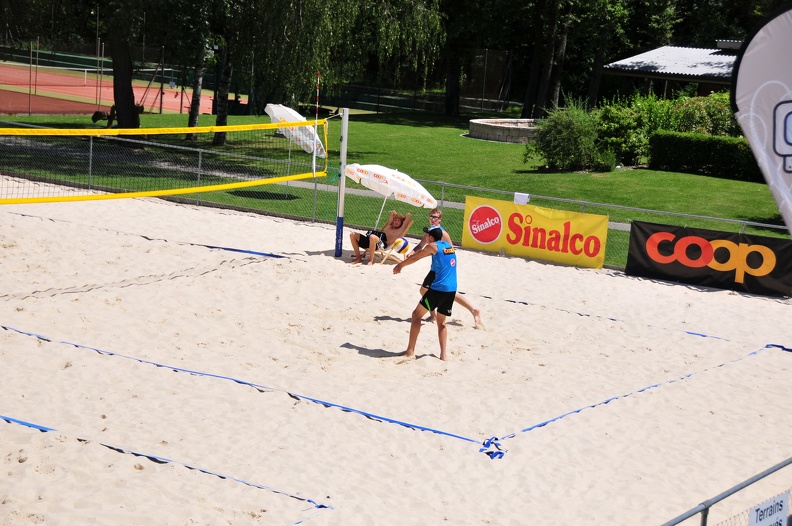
{"points": [[761, 97], [754, 264], [570, 238]]}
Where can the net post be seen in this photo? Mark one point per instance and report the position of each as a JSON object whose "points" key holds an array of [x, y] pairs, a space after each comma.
{"points": [[342, 182]]}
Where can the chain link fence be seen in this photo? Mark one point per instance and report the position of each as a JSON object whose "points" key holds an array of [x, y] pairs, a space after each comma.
{"points": [[744, 518], [99, 164]]}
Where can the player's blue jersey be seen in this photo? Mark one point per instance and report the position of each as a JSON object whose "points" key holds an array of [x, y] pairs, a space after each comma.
{"points": [[444, 265]]}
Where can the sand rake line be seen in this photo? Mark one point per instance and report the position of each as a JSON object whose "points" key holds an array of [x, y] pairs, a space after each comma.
{"points": [[617, 320], [644, 389], [147, 238], [486, 445], [162, 460], [133, 282]]}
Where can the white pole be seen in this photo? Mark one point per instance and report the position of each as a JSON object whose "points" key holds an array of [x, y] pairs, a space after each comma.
{"points": [[342, 182], [316, 124]]}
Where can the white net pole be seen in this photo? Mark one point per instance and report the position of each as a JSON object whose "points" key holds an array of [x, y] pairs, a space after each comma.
{"points": [[342, 182]]}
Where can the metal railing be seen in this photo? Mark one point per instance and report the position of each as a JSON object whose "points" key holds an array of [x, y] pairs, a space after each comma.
{"points": [[705, 506]]}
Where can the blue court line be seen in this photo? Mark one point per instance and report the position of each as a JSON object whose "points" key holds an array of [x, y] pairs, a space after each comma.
{"points": [[262, 388], [161, 460], [492, 446], [642, 389], [586, 315], [229, 249]]}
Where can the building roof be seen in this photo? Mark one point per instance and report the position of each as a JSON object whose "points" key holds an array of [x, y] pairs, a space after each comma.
{"points": [[679, 64]]}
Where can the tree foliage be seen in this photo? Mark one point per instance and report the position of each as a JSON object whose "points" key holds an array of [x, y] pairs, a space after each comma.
{"points": [[273, 49]]}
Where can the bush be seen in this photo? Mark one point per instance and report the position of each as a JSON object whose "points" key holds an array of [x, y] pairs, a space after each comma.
{"points": [[566, 138], [698, 153], [605, 161], [653, 113], [710, 115], [573, 138], [621, 134], [626, 125]]}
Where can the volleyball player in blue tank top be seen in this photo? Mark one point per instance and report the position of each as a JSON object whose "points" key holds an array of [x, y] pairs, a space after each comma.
{"points": [[440, 294]]}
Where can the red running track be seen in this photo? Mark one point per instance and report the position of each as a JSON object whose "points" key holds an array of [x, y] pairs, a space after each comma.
{"points": [[50, 98]]}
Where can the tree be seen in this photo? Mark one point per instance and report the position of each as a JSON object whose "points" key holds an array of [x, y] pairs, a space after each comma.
{"points": [[117, 17], [605, 20], [546, 22]]}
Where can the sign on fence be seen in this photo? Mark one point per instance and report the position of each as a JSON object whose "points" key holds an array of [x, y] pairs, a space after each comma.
{"points": [[754, 264], [773, 512], [570, 238]]}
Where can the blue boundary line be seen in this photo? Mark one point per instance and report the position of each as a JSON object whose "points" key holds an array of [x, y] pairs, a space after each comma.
{"points": [[371, 416], [492, 446], [642, 389], [586, 315], [228, 249], [161, 460]]}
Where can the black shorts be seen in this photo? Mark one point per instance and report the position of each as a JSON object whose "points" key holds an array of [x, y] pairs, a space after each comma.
{"points": [[437, 300], [428, 280], [363, 240]]}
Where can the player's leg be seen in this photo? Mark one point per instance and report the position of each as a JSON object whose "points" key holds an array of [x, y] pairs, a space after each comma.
{"points": [[427, 282], [354, 238], [463, 301], [415, 329], [373, 244], [442, 334]]}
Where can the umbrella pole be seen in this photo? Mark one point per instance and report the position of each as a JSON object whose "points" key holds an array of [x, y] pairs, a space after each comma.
{"points": [[380, 214]]}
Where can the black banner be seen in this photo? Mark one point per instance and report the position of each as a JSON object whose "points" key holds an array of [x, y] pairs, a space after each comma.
{"points": [[745, 263]]}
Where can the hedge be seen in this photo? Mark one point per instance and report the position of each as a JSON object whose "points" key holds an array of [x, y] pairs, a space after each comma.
{"points": [[717, 156]]}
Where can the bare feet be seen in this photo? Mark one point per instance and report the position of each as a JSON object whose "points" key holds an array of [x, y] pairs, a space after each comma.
{"points": [[355, 261], [408, 354], [477, 319]]}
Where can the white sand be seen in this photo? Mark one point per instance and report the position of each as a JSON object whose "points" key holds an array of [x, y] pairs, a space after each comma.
{"points": [[135, 278]]}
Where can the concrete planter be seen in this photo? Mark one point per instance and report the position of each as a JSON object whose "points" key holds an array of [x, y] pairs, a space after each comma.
{"points": [[519, 131]]}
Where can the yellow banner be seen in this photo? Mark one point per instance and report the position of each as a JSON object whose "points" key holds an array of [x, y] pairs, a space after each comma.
{"points": [[570, 238]]}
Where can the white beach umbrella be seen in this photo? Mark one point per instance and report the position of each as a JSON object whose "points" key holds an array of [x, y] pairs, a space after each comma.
{"points": [[303, 136], [389, 182]]}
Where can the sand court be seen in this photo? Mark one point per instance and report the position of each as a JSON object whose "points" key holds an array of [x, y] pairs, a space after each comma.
{"points": [[237, 345]]}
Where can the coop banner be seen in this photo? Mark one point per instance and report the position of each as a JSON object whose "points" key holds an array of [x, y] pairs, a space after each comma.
{"points": [[761, 98], [570, 238], [754, 264]]}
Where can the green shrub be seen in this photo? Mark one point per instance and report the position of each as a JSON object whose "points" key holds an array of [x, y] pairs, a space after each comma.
{"points": [[621, 134], [605, 161], [653, 113], [710, 115], [627, 124], [566, 138], [698, 153]]}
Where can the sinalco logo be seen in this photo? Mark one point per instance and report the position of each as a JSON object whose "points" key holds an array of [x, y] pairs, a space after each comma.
{"points": [[485, 224], [737, 254]]}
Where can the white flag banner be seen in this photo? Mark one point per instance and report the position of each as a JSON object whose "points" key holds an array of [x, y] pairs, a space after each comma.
{"points": [[761, 98]]}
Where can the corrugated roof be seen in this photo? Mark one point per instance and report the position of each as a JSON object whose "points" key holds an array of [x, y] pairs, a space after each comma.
{"points": [[678, 63]]}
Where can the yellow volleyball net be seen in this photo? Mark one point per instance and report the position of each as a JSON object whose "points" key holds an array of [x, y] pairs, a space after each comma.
{"points": [[52, 165]]}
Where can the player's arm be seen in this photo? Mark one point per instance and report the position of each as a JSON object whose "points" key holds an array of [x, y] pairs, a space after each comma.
{"points": [[428, 250], [406, 224]]}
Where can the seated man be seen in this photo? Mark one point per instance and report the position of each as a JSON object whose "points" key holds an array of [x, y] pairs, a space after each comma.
{"points": [[396, 226]]}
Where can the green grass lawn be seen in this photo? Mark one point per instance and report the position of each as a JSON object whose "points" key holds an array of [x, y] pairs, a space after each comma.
{"points": [[434, 147]]}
